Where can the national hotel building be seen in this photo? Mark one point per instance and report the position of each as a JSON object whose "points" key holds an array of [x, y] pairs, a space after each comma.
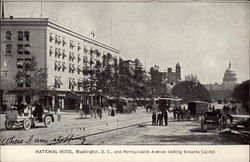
{"points": [[65, 53]]}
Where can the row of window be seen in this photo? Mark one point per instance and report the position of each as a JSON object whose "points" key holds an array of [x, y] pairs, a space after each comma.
{"points": [[73, 84], [58, 66], [58, 54], [21, 49], [21, 35], [58, 40]]}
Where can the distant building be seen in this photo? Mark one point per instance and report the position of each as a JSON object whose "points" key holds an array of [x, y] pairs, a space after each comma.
{"points": [[220, 91], [68, 56], [127, 67], [172, 77], [229, 79], [215, 86]]}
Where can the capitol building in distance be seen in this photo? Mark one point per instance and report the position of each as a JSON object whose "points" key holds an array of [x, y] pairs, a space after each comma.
{"points": [[223, 91]]}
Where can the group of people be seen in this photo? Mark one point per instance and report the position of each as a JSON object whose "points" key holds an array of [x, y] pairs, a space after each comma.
{"points": [[228, 109], [95, 111], [112, 110], [179, 112], [159, 117], [36, 108]]}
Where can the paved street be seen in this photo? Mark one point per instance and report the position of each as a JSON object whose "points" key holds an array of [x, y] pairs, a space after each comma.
{"points": [[71, 123], [75, 130]]}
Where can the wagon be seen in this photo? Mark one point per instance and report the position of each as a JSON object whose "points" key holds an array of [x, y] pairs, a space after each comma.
{"points": [[26, 119], [197, 109], [210, 120]]}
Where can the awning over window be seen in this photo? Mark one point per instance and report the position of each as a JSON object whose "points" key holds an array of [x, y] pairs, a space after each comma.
{"points": [[59, 64], [72, 82], [72, 67], [64, 65], [64, 53], [79, 47], [71, 55], [58, 81]]}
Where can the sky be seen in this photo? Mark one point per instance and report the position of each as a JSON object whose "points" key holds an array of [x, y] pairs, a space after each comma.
{"points": [[202, 37]]}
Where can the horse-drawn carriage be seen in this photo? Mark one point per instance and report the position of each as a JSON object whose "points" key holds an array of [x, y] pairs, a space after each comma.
{"points": [[200, 111], [123, 105], [26, 119], [211, 120]]}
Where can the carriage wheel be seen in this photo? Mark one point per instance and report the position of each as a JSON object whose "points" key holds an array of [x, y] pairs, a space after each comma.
{"points": [[27, 124], [8, 124], [47, 121]]}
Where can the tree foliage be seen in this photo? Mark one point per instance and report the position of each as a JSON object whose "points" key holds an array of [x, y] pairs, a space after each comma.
{"points": [[191, 77], [114, 83], [241, 93], [191, 91], [33, 76], [156, 83]]}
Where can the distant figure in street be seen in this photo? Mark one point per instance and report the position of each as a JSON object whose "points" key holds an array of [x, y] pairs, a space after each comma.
{"points": [[174, 112], [38, 110], [160, 118], [109, 110], [213, 108], [21, 107], [182, 110], [14, 106], [178, 113], [113, 110], [154, 119], [149, 108], [166, 117], [99, 112]]}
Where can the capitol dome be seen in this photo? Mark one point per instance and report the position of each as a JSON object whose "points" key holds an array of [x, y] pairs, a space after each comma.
{"points": [[229, 75], [229, 79]]}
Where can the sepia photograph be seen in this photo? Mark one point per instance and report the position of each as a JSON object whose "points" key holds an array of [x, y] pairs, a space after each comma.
{"points": [[144, 73]]}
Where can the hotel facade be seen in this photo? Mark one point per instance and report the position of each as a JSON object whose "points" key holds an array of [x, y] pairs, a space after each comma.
{"points": [[67, 56]]}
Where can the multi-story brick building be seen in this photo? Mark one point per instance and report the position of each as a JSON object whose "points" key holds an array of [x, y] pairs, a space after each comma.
{"points": [[67, 55], [172, 77]]}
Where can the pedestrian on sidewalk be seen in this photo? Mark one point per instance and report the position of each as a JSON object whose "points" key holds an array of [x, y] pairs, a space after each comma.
{"points": [[154, 119], [109, 110], [166, 117], [174, 112], [113, 110], [177, 111], [160, 118]]}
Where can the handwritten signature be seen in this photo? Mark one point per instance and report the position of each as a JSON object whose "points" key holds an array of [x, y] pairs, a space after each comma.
{"points": [[33, 140]]}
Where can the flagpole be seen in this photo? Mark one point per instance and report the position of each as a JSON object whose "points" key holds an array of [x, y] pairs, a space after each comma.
{"points": [[111, 31], [41, 10]]}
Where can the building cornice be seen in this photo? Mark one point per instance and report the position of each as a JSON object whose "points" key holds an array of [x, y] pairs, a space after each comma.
{"points": [[52, 24]]}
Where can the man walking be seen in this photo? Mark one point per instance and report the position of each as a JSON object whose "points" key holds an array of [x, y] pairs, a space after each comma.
{"points": [[154, 119], [166, 117]]}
